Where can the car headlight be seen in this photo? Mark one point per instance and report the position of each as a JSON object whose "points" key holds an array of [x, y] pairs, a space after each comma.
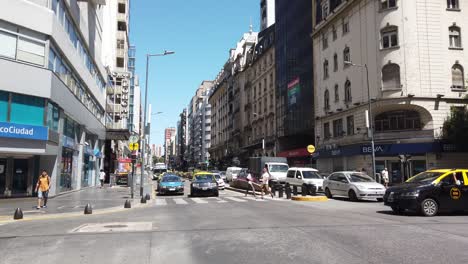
{"points": [[361, 188], [410, 194], [196, 185]]}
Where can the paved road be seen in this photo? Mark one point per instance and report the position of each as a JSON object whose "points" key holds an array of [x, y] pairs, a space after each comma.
{"points": [[233, 229]]}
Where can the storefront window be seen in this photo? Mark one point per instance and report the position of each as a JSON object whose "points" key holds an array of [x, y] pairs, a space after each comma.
{"points": [[3, 106], [27, 110], [67, 168], [52, 117]]}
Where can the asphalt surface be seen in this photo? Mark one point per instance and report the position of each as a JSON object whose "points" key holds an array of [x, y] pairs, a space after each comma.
{"points": [[233, 229]]}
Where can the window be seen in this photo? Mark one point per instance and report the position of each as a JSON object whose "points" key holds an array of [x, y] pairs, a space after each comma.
{"points": [[52, 117], [337, 94], [120, 62], [325, 69], [391, 76], [335, 62], [338, 128], [27, 110], [347, 90], [350, 125], [458, 81], [389, 37], [398, 120], [345, 26], [4, 100], [455, 37], [31, 51], [326, 100], [324, 41], [122, 8], [326, 130], [325, 9], [386, 4], [453, 4], [121, 26], [8, 45], [346, 56], [120, 44], [335, 35]]}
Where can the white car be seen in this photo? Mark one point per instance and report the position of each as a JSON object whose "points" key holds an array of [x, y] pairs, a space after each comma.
{"points": [[220, 181], [231, 173], [353, 185], [299, 176]]}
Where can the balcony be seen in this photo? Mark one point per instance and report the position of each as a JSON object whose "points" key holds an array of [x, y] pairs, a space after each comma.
{"points": [[113, 108], [121, 52]]}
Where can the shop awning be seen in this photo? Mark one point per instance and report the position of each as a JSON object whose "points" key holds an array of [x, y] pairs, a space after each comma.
{"points": [[117, 134]]}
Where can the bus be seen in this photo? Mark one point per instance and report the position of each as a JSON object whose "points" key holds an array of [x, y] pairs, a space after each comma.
{"points": [[158, 170]]}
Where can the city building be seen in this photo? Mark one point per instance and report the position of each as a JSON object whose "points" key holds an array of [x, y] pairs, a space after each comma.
{"points": [[415, 57], [158, 151], [169, 145], [295, 116], [52, 95], [259, 126], [267, 13], [182, 140], [134, 120]]}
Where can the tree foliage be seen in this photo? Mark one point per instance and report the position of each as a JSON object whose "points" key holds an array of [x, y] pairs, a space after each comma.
{"points": [[455, 129]]}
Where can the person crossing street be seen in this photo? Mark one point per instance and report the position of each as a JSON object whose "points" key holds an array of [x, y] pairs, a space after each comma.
{"points": [[265, 180], [42, 189]]}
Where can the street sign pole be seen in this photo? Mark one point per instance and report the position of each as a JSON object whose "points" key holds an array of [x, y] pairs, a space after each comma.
{"points": [[133, 177]]}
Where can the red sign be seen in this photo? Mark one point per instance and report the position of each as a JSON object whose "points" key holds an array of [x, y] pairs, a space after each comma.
{"points": [[295, 153], [293, 83], [125, 160]]}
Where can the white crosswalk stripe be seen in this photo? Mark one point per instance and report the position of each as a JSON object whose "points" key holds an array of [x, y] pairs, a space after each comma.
{"points": [[218, 200], [258, 199], [161, 202], [180, 201], [235, 199], [199, 201]]}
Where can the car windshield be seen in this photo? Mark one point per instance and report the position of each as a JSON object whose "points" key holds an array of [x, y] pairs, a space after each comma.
{"points": [[171, 179], [236, 171], [279, 168], [204, 177], [217, 176], [359, 177], [311, 175], [426, 176]]}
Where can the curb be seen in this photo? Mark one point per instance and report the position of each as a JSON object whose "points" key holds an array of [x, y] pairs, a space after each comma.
{"points": [[310, 198]]}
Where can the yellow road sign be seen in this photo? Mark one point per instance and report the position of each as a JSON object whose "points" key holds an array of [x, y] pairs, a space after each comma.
{"points": [[311, 149], [133, 146]]}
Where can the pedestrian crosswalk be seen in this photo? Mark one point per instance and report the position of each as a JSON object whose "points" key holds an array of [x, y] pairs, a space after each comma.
{"points": [[208, 200]]}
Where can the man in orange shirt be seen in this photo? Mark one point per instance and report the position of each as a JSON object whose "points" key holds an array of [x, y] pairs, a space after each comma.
{"points": [[42, 189]]}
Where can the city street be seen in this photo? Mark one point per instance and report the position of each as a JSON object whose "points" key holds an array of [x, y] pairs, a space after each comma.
{"points": [[233, 229]]}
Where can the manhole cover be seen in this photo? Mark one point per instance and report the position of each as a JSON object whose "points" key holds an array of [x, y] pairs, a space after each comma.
{"points": [[113, 227]]}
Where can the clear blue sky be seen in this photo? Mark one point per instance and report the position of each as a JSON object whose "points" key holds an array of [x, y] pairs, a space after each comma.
{"points": [[201, 32]]}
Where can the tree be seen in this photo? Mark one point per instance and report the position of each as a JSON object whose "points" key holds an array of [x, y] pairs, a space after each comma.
{"points": [[455, 128]]}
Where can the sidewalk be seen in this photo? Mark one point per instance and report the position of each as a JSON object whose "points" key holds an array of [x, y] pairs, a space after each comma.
{"points": [[107, 197]]}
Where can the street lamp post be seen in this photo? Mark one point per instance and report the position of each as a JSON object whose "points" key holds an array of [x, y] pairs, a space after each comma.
{"points": [[369, 117], [148, 56]]}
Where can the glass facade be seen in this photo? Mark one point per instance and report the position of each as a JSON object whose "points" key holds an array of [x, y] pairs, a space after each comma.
{"points": [[3, 106], [53, 116], [65, 182], [293, 48], [27, 110]]}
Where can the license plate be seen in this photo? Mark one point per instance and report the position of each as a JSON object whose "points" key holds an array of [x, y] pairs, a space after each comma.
{"points": [[171, 189], [204, 188]]}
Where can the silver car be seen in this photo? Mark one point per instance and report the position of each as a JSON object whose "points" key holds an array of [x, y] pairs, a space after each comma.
{"points": [[353, 185]]}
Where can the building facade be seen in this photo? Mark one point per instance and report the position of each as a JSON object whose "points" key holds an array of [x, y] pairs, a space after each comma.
{"points": [[52, 96], [267, 14], [414, 55], [182, 140], [169, 145], [295, 117]]}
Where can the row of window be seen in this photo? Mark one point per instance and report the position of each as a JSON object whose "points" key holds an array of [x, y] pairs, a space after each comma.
{"points": [[347, 93], [60, 66], [22, 45], [338, 127], [346, 58], [60, 9]]}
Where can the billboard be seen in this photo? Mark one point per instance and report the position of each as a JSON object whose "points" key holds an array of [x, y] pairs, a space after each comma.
{"points": [[294, 88]]}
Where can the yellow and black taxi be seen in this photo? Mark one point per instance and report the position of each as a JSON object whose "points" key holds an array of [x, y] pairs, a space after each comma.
{"points": [[430, 192]]}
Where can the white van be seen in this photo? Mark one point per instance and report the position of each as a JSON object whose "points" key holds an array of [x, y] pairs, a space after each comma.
{"points": [[299, 176], [231, 173]]}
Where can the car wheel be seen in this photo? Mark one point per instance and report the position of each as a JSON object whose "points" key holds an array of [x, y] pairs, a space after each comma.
{"points": [[352, 195], [429, 207], [328, 193], [217, 194], [379, 200], [397, 210]]}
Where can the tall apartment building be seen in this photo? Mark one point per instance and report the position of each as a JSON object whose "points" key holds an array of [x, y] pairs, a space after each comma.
{"points": [[294, 80], [415, 57], [182, 140], [201, 130], [134, 120], [52, 95], [169, 144], [267, 14], [115, 57]]}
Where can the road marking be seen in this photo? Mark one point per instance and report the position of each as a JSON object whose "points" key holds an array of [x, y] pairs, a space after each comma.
{"points": [[258, 199], [60, 207], [76, 207], [218, 200], [235, 199], [161, 202], [199, 201], [180, 201]]}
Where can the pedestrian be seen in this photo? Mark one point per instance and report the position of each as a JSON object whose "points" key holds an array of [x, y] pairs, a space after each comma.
{"points": [[250, 185], [265, 180], [42, 189], [385, 177], [102, 177]]}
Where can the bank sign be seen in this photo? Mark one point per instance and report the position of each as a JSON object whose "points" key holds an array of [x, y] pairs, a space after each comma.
{"points": [[12, 130]]}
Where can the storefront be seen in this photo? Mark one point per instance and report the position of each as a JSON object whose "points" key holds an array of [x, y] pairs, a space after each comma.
{"points": [[298, 158], [67, 165]]}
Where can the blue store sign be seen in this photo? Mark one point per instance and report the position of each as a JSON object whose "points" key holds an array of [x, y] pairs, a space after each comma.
{"points": [[12, 130]]}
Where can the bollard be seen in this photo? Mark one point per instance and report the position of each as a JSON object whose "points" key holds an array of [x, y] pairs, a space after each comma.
{"points": [[18, 214], [312, 189], [273, 189], [148, 197], [288, 192], [294, 190], [280, 190], [304, 190], [143, 199], [88, 209], [127, 204]]}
